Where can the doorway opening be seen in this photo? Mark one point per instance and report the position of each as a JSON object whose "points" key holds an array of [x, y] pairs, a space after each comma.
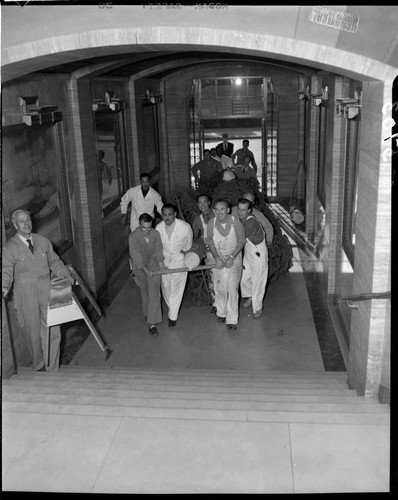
{"points": [[245, 111]]}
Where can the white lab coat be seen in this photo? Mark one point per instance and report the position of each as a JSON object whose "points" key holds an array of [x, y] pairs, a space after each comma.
{"points": [[173, 285], [140, 204]]}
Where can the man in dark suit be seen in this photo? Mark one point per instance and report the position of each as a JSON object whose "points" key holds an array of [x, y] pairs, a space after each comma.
{"points": [[227, 147]]}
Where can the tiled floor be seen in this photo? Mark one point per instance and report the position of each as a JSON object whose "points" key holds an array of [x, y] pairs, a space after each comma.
{"points": [[285, 338], [93, 454]]}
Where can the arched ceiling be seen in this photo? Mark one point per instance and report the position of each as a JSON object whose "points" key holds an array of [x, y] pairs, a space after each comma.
{"points": [[175, 61], [36, 38]]}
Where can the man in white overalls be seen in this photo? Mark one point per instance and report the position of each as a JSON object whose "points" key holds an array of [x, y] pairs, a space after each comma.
{"points": [[199, 228], [176, 236], [255, 260], [226, 238]]}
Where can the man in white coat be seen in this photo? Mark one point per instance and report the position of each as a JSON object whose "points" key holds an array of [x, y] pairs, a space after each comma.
{"points": [[143, 199], [176, 236]]}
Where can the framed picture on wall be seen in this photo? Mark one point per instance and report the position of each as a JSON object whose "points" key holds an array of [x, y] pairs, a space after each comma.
{"points": [[35, 179]]}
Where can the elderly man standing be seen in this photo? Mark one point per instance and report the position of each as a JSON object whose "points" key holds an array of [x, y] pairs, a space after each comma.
{"points": [[255, 260], [28, 260], [146, 251], [176, 236], [226, 238]]}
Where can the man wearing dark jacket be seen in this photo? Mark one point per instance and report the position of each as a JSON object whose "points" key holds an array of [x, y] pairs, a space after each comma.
{"points": [[227, 147]]}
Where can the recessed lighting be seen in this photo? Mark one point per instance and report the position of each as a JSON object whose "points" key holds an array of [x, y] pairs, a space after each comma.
{"points": [[238, 81]]}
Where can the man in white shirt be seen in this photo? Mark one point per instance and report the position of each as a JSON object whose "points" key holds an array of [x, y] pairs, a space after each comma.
{"points": [[226, 161], [176, 236]]}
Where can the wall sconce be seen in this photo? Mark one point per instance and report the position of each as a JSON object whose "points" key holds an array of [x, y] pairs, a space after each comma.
{"points": [[149, 99], [304, 93], [349, 107], [110, 102], [33, 114], [109, 95], [318, 99]]}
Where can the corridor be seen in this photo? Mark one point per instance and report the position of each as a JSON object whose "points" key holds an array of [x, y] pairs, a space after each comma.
{"points": [[285, 338]]}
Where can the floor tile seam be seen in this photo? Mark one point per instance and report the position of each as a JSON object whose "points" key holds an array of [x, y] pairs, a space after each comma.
{"points": [[101, 466]]}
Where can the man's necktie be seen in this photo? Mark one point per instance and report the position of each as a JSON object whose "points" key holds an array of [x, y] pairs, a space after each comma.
{"points": [[30, 245], [225, 147]]}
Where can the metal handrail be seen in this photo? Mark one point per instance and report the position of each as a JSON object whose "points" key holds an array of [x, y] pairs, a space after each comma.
{"points": [[364, 296]]}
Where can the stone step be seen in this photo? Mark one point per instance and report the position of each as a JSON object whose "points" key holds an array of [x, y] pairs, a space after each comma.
{"points": [[217, 386], [297, 396], [219, 404], [202, 372], [195, 378], [200, 413]]}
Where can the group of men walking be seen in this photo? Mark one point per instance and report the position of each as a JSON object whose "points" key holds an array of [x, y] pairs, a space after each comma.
{"points": [[156, 255], [235, 244]]}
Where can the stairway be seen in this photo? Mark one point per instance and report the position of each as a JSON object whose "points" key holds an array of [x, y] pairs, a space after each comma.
{"points": [[226, 395]]}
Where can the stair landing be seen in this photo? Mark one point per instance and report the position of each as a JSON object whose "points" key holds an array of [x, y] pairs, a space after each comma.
{"points": [[132, 430]]}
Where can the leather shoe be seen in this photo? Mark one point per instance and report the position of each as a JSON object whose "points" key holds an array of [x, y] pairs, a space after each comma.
{"points": [[220, 319], [247, 302], [172, 322], [258, 314], [213, 310], [153, 330], [231, 327]]}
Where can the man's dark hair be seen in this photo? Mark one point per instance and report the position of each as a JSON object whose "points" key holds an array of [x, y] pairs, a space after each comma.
{"points": [[145, 218], [245, 140], [206, 151], [200, 196], [144, 174], [223, 200], [170, 205], [245, 201]]}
